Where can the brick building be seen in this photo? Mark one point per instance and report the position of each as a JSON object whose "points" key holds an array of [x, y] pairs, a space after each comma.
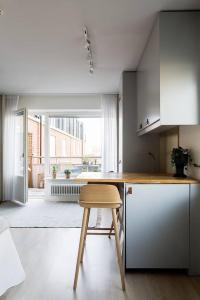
{"points": [[66, 146]]}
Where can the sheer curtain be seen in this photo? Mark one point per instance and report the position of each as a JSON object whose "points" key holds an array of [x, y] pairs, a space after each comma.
{"points": [[9, 106], [109, 137]]}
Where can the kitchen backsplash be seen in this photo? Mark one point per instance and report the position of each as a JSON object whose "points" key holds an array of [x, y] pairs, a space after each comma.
{"points": [[168, 141], [186, 137]]}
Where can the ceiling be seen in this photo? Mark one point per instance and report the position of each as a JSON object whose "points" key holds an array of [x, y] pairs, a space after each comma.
{"points": [[42, 45]]}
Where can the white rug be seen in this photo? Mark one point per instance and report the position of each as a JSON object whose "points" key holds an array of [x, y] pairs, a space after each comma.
{"points": [[41, 213]]}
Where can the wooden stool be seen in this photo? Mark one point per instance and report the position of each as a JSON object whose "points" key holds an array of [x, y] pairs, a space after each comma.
{"points": [[99, 196]]}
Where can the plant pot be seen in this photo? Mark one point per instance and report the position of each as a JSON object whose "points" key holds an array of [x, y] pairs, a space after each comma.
{"points": [[180, 171], [54, 175], [67, 176]]}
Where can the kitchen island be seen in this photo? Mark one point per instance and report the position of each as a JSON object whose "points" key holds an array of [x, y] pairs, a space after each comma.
{"points": [[112, 177], [161, 219]]}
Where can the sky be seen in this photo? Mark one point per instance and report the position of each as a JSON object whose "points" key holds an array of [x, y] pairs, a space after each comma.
{"points": [[92, 132]]}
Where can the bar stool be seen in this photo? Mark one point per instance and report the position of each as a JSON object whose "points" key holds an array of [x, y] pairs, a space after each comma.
{"points": [[99, 196]]}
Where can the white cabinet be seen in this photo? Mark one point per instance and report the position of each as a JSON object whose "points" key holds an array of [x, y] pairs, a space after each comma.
{"points": [[157, 226], [168, 73]]}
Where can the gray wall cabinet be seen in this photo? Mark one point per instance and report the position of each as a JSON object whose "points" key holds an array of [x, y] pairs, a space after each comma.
{"points": [[168, 76], [134, 150], [157, 226], [1, 150]]}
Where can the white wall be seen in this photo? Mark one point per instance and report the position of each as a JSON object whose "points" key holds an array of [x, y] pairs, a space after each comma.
{"points": [[71, 102]]}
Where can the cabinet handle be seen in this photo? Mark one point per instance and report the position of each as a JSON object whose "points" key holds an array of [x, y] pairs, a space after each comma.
{"points": [[147, 121], [130, 191]]}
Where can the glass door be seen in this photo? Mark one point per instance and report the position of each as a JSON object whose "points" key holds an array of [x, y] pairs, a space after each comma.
{"points": [[20, 178]]}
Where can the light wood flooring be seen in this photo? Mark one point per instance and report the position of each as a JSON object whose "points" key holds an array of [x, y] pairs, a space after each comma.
{"points": [[49, 257]]}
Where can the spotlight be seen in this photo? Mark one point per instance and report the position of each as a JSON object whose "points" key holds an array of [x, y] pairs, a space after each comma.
{"points": [[88, 48]]}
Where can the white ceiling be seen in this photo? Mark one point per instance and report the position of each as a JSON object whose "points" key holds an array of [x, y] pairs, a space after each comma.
{"points": [[42, 45]]}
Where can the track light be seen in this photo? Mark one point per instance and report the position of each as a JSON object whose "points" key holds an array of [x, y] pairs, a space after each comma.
{"points": [[85, 31], [87, 44], [88, 50], [89, 57]]}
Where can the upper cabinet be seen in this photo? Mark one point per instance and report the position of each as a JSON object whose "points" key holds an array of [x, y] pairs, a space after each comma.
{"points": [[168, 75]]}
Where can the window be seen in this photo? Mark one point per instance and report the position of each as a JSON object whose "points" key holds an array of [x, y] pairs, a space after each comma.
{"points": [[75, 143], [52, 146], [64, 148]]}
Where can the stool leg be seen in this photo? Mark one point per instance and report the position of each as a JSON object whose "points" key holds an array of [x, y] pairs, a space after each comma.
{"points": [[114, 215], [111, 229], [83, 229], [112, 226], [88, 217]]}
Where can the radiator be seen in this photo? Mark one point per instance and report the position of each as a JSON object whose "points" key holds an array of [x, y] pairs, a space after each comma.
{"points": [[63, 192]]}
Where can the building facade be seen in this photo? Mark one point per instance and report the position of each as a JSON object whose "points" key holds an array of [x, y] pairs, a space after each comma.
{"points": [[66, 146]]}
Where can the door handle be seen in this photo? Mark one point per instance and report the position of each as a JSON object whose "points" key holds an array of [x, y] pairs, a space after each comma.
{"points": [[129, 191]]}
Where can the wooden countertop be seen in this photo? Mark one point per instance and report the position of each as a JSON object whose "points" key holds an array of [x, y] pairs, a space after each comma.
{"points": [[132, 178]]}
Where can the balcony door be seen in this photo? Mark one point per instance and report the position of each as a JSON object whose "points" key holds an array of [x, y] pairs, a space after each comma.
{"points": [[20, 172]]}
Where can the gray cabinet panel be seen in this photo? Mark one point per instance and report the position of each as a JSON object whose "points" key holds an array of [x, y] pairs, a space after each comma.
{"points": [[148, 77], [179, 68], [133, 150], [157, 226], [194, 229], [168, 74]]}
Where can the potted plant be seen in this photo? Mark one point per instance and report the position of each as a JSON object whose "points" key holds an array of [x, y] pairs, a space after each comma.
{"points": [[180, 158], [54, 172], [67, 173]]}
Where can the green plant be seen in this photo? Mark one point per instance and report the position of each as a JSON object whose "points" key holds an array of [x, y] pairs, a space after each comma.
{"points": [[67, 172], [54, 169], [85, 160], [180, 156]]}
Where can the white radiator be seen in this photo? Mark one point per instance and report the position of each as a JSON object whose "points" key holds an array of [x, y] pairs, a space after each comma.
{"points": [[62, 191]]}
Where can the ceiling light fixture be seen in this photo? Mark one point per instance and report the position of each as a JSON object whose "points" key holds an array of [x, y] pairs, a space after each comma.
{"points": [[1, 12], [88, 48]]}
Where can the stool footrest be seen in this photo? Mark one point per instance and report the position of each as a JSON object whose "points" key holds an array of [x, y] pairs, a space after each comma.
{"points": [[99, 233], [98, 228]]}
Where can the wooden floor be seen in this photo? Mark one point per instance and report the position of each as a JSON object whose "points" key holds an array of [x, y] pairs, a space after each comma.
{"points": [[49, 257]]}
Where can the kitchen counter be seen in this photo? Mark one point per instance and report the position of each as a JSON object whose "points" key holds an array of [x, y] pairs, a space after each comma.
{"points": [[133, 178], [161, 214]]}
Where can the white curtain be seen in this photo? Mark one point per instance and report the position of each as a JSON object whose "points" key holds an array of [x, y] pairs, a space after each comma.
{"points": [[9, 106], [109, 138]]}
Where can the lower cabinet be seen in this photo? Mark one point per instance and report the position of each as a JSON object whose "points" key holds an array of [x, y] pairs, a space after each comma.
{"points": [[157, 226]]}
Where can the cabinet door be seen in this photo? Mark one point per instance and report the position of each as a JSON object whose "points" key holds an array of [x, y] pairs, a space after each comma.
{"points": [[180, 67], [120, 135], [141, 96], [157, 226], [148, 82]]}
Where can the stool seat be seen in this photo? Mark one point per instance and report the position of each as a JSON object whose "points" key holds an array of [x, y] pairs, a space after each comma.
{"points": [[99, 196]]}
